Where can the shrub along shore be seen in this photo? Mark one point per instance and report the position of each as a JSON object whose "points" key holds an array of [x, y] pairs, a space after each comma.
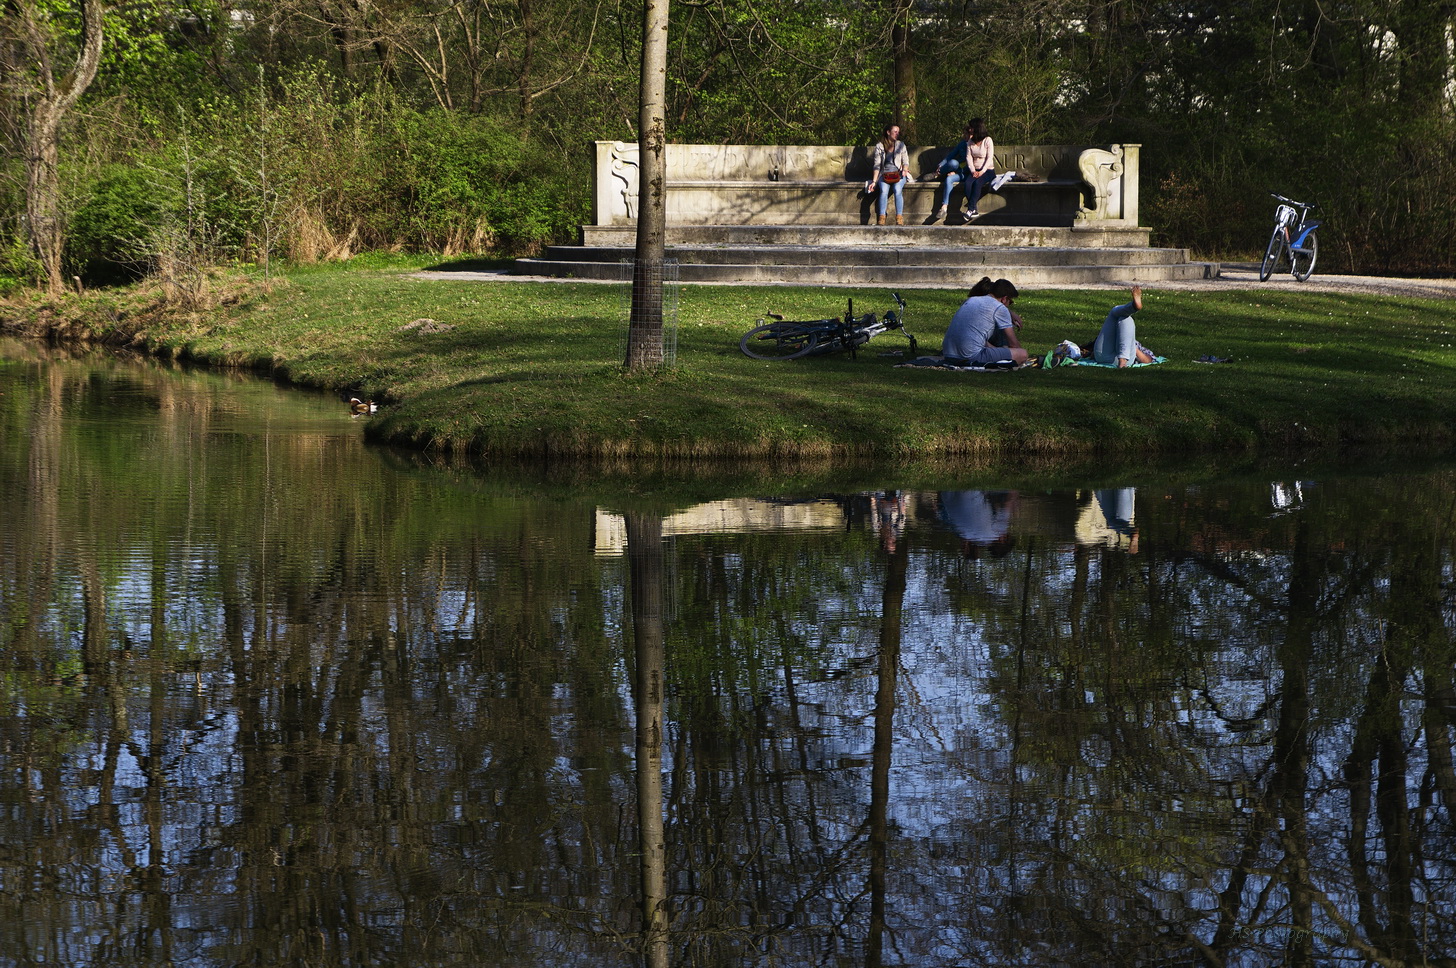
{"points": [[523, 369]]}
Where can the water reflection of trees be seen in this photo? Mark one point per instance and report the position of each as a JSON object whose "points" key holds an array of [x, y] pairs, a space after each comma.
{"points": [[1198, 755], [267, 703]]}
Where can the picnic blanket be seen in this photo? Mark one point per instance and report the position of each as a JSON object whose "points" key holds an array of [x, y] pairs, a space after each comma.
{"points": [[941, 363], [1088, 361], [1044, 362]]}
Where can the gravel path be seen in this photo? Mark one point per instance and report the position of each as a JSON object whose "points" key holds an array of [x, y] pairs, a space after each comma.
{"points": [[1246, 276], [1235, 276]]}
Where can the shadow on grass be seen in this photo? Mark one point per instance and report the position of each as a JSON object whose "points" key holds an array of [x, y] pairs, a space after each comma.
{"points": [[473, 265]]}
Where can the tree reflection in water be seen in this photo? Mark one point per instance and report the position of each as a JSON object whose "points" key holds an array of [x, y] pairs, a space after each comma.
{"points": [[251, 716]]}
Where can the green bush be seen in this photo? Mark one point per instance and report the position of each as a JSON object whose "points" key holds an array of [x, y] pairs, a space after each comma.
{"points": [[19, 268], [441, 177], [112, 234]]}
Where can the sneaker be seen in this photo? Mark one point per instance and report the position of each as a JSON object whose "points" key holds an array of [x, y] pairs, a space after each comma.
{"points": [[972, 215], [939, 213]]}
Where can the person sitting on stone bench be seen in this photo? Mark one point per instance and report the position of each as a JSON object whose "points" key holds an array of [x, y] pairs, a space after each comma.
{"points": [[983, 331], [980, 166], [891, 172], [952, 169]]}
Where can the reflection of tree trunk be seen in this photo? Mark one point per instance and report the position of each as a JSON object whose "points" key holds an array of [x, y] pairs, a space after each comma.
{"points": [[1376, 746], [94, 635], [37, 542], [644, 552], [1379, 746], [1291, 744], [1378, 751], [1440, 695], [159, 665], [894, 598], [1081, 557]]}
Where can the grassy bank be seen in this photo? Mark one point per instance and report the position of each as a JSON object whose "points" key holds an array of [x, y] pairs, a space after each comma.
{"points": [[505, 368]]}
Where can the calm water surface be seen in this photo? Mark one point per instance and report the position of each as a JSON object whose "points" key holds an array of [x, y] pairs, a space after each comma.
{"points": [[271, 697]]}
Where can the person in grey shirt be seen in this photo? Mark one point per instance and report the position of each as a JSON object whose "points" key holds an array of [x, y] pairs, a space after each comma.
{"points": [[983, 330], [1117, 342]]}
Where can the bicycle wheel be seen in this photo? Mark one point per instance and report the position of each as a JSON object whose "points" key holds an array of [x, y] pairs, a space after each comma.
{"points": [[1271, 254], [780, 341], [1302, 263]]}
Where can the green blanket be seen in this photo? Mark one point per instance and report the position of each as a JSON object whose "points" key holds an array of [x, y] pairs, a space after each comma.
{"points": [[1050, 361]]}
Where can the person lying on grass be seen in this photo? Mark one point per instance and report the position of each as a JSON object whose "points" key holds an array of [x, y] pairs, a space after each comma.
{"points": [[983, 330], [1117, 342]]}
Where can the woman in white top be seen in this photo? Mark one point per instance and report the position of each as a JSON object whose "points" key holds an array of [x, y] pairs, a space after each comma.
{"points": [[980, 169], [891, 172]]}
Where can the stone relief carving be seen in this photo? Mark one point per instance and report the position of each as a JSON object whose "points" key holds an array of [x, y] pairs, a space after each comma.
{"points": [[623, 167], [1099, 167]]}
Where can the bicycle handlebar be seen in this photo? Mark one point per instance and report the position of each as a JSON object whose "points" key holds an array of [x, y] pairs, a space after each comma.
{"points": [[1291, 201]]}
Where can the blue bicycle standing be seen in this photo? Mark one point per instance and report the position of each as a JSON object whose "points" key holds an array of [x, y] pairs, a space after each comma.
{"points": [[1293, 236]]}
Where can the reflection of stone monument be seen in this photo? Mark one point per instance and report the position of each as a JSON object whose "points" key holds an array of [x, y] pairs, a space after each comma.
{"points": [[1108, 519], [1099, 168]]}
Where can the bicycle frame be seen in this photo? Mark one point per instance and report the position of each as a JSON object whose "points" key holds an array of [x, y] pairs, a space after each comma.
{"points": [[787, 339], [1296, 244]]}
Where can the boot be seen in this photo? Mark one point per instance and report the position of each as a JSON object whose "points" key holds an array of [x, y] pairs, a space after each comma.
{"points": [[899, 220], [880, 220]]}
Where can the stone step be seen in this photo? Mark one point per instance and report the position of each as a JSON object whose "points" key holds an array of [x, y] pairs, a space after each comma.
{"points": [[924, 255], [899, 255], [911, 275], [1096, 235]]}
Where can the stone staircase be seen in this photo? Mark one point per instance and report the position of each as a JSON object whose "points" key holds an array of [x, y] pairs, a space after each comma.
{"points": [[800, 214], [928, 255]]}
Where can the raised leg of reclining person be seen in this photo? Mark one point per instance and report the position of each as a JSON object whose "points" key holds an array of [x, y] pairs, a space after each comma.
{"points": [[1117, 341]]}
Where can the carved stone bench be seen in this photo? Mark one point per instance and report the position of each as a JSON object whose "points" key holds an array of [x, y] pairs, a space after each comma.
{"points": [[1057, 185]]}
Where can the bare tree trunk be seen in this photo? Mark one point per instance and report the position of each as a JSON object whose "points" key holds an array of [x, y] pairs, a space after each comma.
{"points": [[904, 61], [528, 63], [50, 100], [1422, 28], [644, 334]]}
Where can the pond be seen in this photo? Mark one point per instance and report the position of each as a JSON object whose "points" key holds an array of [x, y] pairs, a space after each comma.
{"points": [[270, 696]]}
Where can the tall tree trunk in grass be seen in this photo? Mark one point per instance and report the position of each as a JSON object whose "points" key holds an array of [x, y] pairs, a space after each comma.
{"points": [[31, 27], [644, 334]]}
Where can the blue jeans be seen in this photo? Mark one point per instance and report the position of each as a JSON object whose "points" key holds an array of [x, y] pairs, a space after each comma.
{"points": [[1118, 337], [885, 188], [976, 186], [952, 179]]}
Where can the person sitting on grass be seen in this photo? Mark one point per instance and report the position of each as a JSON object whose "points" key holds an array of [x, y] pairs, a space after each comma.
{"points": [[1117, 342], [983, 330]]}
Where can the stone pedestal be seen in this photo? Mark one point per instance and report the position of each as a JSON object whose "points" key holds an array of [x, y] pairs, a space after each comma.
{"points": [[799, 213]]}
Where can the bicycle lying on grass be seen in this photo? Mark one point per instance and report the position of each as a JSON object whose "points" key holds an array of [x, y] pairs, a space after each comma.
{"points": [[1294, 234], [787, 339]]}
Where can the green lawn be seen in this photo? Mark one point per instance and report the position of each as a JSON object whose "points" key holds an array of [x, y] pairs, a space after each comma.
{"points": [[536, 368]]}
